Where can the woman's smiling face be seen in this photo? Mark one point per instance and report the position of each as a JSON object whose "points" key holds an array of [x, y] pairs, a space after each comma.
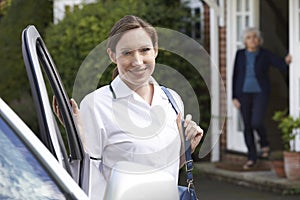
{"points": [[135, 57]]}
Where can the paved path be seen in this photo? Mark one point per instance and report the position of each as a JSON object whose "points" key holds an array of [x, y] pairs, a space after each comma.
{"points": [[209, 189], [212, 184]]}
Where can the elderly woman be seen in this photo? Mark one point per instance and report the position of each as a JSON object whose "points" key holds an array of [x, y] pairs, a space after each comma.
{"points": [[251, 88]]}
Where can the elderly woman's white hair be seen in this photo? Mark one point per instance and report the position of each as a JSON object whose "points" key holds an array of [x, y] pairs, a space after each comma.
{"points": [[252, 30]]}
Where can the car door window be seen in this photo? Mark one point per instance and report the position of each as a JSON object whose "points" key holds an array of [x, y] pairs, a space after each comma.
{"points": [[21, 175]]}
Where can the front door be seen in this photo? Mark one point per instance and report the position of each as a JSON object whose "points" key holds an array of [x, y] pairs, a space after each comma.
{"points": [[241, 14]]}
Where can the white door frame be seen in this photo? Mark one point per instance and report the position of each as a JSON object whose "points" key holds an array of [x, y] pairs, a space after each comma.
{"points": [[294, 73], [216, 21], [247, 11]]}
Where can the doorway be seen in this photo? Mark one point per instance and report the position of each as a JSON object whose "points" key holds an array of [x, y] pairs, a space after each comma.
{"points": [[274, 25]]}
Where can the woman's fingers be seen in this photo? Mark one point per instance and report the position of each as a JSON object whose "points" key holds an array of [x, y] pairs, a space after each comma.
{"points": [[187, 120], [178, 121], [54, 104], [76, 113], [236, 103], [74, 106], [193, 132], [288, 59], [56, 110], [192, 129]]}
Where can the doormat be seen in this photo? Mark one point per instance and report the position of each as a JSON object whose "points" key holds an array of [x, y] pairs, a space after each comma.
{"points": [[239, 167]]}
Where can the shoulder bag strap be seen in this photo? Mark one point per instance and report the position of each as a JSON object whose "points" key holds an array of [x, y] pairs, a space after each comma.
{"points": [[187, 145]]}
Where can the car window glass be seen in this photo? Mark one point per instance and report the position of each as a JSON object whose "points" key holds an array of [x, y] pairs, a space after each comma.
{"points": [[21, 175], [59, 127]]}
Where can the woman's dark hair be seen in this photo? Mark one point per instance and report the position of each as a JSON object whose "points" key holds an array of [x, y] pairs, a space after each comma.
{"points": [[127, 23]]}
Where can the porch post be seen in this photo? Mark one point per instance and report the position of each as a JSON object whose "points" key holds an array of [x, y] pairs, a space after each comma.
{"points": [[294, 71]]}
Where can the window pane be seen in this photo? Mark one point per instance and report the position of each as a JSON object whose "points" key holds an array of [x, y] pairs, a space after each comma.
{"points": [[21, 175], [239, 5], [197, 23], [247, 5], [247, 21], [239, 27]]}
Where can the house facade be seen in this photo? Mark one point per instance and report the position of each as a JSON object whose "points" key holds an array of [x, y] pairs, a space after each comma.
{"points": [[61, 7], [279, 22], [221, 23]]}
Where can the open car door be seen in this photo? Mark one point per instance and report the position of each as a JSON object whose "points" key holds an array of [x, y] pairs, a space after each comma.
{"points": [[38, 60]]}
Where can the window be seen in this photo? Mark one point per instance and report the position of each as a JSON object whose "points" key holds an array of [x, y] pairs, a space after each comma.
{"points": [[21, 175], [194, 23], [67, 9], [242, 19]]}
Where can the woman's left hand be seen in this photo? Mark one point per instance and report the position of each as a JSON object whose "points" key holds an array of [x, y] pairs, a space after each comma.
{"points": [[288, 59], [76, 113], [193, 132]]}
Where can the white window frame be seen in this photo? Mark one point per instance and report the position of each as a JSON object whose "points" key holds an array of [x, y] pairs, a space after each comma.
{"points": [[59, 7], [193, 5]]}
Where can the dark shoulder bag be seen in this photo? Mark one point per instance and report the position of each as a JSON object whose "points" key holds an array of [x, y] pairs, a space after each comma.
{"points": [[185, 192]]}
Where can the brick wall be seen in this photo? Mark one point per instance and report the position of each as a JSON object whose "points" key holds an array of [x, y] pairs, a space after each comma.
{"points": [[223, 100]]}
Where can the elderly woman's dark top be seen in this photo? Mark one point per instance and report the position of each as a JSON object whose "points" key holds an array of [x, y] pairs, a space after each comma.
{"points": [[264, 59]]}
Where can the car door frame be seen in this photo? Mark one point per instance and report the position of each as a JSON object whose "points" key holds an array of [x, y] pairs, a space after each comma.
{"points": [[37, 58]]}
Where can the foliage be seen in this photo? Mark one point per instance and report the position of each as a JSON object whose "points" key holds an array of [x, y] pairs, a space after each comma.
{"points": [[287, 125], [14, 83], [4, 5], [71, 40]]}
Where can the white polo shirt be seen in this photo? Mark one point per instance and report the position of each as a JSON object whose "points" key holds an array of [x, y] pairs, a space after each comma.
{"points": [[121, 126]]}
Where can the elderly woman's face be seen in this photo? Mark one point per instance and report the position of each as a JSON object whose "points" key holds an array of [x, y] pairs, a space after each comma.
{"points": [[252, 41], [135, 57]]}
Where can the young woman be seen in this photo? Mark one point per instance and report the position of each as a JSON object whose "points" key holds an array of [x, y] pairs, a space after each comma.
{"points": [[131, 119], [251, 88]]}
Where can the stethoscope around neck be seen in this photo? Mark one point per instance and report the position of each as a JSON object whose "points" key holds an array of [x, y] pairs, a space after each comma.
{"points": [[112, 91]]}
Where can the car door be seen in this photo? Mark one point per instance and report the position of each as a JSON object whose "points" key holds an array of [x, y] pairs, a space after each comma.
{"points": [[28, 170], [38, 62]]}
